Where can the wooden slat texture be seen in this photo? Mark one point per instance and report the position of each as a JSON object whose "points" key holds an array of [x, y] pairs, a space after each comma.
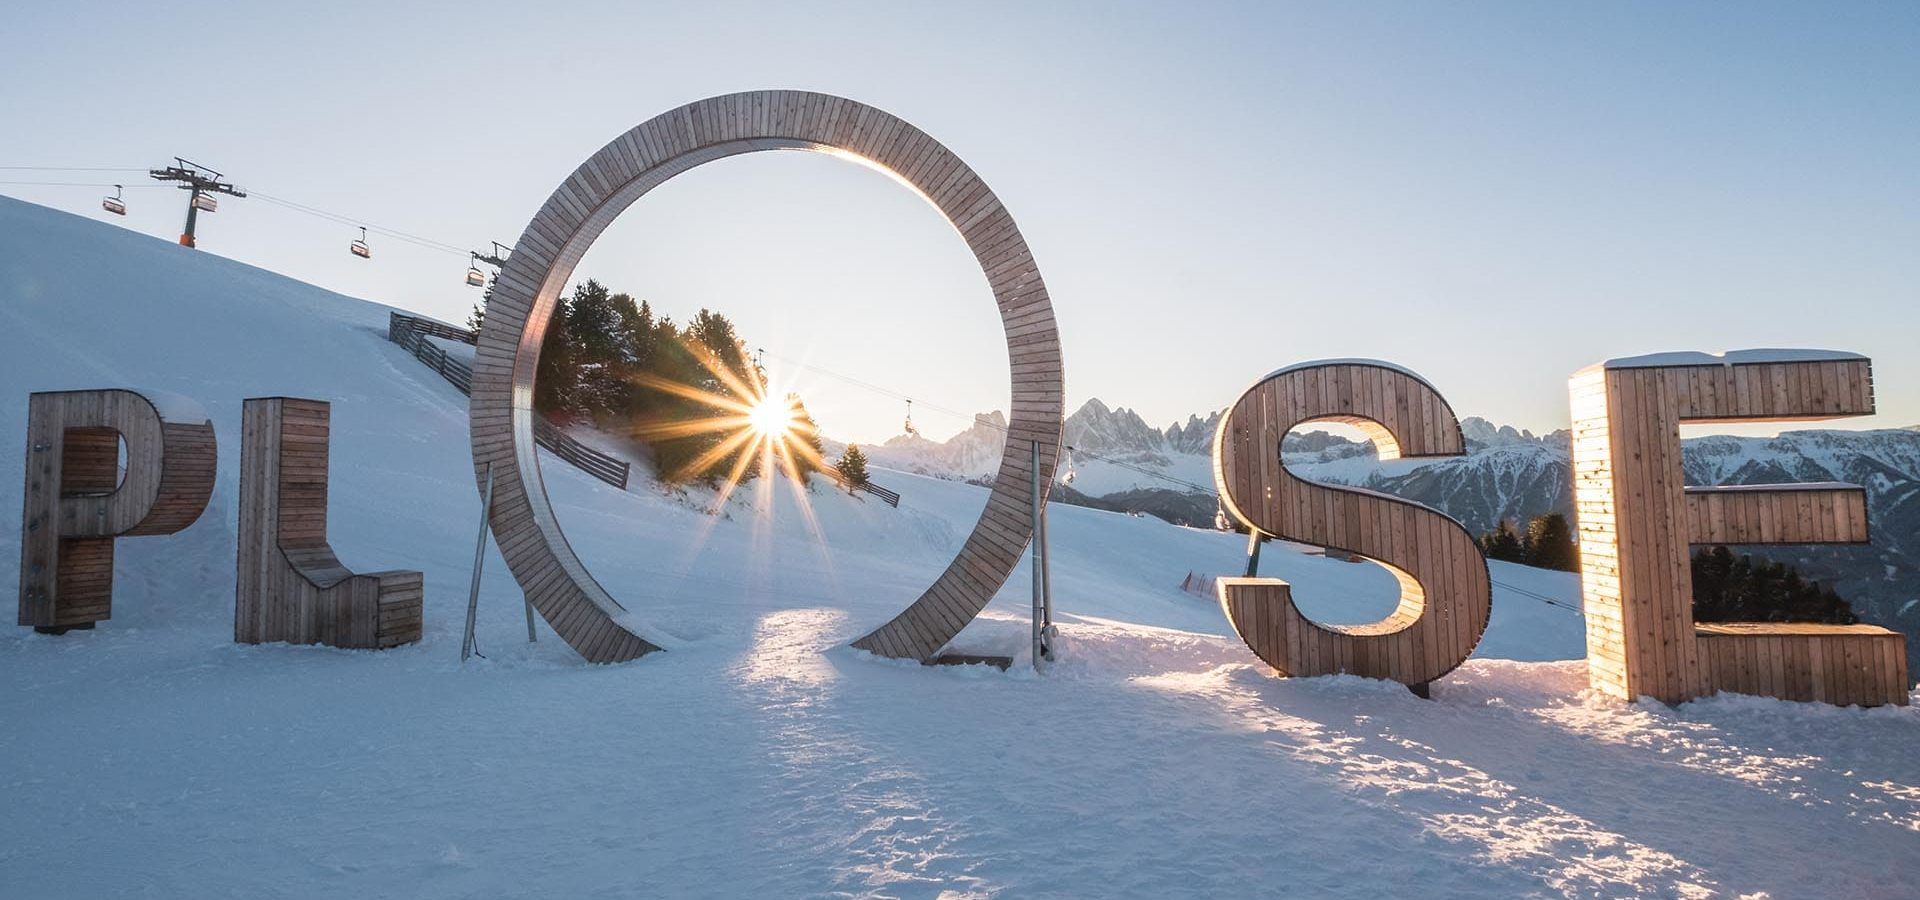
{"points": [[507, 350], [291, 586], [1445, 592], [1637, 521], [1846, 665], [1777, 514], [77, 500]]}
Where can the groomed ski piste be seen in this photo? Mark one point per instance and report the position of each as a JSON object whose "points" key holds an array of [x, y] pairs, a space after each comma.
{"points": [[760, 756]]}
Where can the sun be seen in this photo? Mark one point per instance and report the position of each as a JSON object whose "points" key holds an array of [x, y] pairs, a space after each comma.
{"points": [[759, 429], [771, 417]]}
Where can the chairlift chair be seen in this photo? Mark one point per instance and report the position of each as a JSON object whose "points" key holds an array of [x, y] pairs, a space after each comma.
{"points": [[114, 204], [205, 202], [359, 246], [909, 424]]}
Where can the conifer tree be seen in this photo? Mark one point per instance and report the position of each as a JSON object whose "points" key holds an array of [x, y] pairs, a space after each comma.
{"points": [[1550, 544], [1503, 543], [1729, 588], [853, 468], [806, 432], [478, 317], [557, 377]]}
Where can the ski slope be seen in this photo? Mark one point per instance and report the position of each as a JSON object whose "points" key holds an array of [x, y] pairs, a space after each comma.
{"points": [[760, 756]]}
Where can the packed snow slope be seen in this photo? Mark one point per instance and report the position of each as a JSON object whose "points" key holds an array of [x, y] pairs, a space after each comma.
{"points": [[760, 756]]}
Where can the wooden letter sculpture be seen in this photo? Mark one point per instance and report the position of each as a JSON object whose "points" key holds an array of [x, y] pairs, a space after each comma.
{"points": [[291, 586], [1445, 594], [76, 501], [1637, 520], [589, 619]]}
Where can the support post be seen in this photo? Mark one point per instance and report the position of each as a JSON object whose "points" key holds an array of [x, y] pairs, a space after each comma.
{"points": [[468, 646], [193, 213], [1047, 631], [531, 637], [1039, 567], [1254, 540]]}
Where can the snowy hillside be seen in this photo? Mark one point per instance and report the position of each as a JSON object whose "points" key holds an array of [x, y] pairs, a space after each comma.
{"points": [[1514, 475], [760, 756]]}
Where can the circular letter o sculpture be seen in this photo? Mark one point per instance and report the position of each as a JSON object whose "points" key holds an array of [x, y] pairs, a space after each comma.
{"points": [[524, 526]]}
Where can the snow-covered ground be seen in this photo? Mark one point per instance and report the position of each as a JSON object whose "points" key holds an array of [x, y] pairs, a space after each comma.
{"points": [[761, 757]]}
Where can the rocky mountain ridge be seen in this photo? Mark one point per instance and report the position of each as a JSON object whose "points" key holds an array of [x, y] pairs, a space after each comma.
{"points": [[1122, 462]]}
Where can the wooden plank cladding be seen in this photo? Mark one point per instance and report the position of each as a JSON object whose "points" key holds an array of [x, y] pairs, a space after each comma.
{"points": [[1637, 521], [1445, 592], [291, 586], [1846, 665], [507, 351], [77, 499], [1778, 514]]}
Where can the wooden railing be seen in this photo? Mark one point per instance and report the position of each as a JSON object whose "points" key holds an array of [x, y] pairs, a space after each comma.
{"points": [[888, 497], [593, 462], [415, 341], [411, 333], [402, 322]]}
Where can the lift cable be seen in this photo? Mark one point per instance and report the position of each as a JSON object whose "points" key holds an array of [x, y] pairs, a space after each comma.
{"points": [[73, 168], [91, 184], [431, 244], [315, 211]]}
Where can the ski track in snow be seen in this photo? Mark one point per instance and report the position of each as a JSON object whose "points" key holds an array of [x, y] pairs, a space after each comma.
{"points": [[762, 756]]}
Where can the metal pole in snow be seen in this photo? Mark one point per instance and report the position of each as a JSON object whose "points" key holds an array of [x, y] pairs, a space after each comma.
{"points": [[1039, 567], [530, 635], [1254, 540], [1046, 586], [468, 646]]}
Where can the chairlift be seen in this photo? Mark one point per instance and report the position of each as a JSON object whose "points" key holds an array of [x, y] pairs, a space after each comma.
{"points": [[475, 277], [359, 246], [205, 202], [909, 424], [114, 204], [1067, 479]]}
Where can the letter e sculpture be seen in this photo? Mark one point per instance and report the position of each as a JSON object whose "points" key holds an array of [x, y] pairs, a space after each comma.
{"points": [[1637, 519]]}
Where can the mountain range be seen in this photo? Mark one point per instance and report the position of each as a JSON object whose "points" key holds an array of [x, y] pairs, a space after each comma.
{"points": [[1119, 461]]}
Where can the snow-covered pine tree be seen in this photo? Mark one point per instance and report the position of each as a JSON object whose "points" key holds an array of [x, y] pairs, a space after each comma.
{"points": [[853, 467]]}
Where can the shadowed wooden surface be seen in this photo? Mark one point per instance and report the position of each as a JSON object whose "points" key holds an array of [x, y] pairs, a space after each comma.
{"points": [[1637, 520], [529, 536], [291, 587], [77, 500], [1445, 594]]}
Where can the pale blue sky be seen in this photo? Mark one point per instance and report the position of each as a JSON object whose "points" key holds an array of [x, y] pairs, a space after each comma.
{"points": [[1493, 195]]}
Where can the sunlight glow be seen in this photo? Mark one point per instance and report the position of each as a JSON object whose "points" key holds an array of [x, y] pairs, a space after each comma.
{"points": [[772, 417], [761, 429]]}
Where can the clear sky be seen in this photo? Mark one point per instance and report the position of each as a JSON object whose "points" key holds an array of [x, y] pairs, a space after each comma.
{"points": [[1491, 194]]}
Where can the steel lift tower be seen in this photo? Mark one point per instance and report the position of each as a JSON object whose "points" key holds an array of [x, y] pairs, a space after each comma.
{"points": [[203, 182]]}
